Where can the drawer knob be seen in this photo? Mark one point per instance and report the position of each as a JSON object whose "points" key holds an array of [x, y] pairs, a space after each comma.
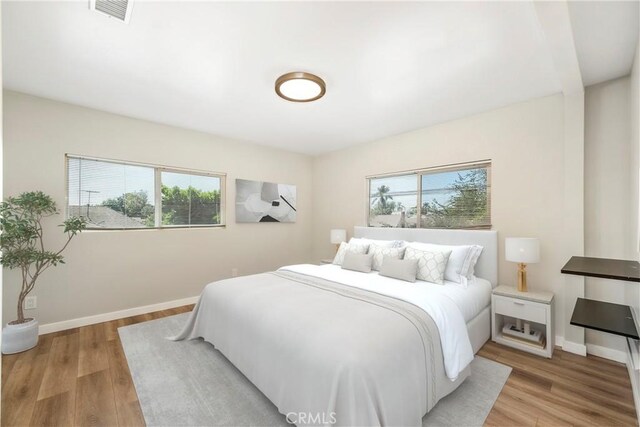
{"points": [[518, 303]]}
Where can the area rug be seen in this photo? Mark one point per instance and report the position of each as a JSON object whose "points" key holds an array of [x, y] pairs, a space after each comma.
{"points": [[189, 383]]}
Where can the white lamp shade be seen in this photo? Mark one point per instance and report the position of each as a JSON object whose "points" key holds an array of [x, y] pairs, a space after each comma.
{"points": [[522, 249], [338, 236]]}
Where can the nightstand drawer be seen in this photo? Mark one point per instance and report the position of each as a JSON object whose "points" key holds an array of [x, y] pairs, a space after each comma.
{"points": [[520, 309]]}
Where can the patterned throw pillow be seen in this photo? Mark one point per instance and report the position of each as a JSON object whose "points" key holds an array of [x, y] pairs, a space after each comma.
{"points": [[431, 263], [461, 262], [351, 247], [382, 252]]}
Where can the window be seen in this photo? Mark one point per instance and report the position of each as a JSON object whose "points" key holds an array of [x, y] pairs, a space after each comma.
{"points": [[444, 197], [393, 201], [189, 199], [118, 195]]}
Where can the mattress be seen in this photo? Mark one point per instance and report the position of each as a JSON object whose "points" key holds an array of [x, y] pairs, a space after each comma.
{"points": [[471, 300]]}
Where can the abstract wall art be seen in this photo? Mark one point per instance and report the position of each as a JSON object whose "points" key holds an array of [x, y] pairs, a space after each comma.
{"points": [[258, 201]]}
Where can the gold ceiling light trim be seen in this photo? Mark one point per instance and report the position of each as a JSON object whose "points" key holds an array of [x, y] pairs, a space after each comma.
{"points": [[300, 75]]}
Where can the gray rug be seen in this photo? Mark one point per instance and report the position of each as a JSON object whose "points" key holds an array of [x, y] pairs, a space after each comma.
{"points": [[189, 383]]}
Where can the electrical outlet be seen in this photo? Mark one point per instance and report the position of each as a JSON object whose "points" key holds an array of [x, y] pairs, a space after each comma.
{"points": [[31, 302], [234, 272]]}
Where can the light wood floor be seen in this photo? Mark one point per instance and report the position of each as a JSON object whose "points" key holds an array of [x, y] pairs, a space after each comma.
{"points": [[565, 390], [80, 377]]}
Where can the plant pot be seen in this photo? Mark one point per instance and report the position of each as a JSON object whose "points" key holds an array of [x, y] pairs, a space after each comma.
{"points": [[20, 337]]}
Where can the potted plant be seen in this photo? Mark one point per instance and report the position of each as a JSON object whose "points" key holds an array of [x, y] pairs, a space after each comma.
{"points": [[22, 246]]}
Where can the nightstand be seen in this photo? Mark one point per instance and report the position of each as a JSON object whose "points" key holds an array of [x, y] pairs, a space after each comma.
{"points": [[535, 308]]}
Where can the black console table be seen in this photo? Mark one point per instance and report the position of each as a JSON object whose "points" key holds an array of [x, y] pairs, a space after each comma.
{"points": [[605, 268], [602, 316]]}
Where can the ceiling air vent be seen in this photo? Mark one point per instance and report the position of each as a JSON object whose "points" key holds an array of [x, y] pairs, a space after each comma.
{"points": [[118, 9]]}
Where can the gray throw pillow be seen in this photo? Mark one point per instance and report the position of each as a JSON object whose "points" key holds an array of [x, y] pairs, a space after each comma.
{"points": [[357, 262], [403, 269]]}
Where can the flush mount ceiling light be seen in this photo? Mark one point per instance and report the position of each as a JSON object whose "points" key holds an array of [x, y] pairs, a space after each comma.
{"points": [[300, 87]]}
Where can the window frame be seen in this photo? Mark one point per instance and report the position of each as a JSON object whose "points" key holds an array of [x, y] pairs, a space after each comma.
{"points": [[157, 170], [419, 173]]}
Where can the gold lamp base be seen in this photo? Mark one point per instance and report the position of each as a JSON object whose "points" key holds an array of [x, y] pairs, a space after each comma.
{"points": [[522, 277]]}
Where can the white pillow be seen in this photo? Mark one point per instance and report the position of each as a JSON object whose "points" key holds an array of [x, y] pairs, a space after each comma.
{"points": [[401, 244], [461, 262], [350, 247], [365, 241], [472, 260], [381, 252], [431, 263]]}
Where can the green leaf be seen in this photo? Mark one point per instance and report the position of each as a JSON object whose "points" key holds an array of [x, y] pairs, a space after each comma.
{"points": [[21, 228], [74, 225]]}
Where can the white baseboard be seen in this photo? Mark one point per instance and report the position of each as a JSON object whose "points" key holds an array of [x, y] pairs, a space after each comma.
{"points": [[607, 353], [596, 350], [573, 347], [105, 317]]}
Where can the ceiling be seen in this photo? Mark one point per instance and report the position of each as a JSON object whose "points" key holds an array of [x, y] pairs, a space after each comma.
{"points": [[390, 67], [605, 35]]}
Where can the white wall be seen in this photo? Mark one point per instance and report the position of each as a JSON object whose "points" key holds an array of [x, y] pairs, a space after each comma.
{"points": [[607, 189], [633, 289], [526, 145], [114, 270], [573, 338]]}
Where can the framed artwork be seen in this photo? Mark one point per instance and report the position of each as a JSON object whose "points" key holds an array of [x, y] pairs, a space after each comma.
{"points": [[259, 201]]}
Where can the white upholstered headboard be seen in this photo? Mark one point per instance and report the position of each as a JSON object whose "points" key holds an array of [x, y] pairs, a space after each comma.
{"points": [[487, 266]]}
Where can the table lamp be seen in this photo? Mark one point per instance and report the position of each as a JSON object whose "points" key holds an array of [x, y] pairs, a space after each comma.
{"points": [[523, 250], [338, 236]]}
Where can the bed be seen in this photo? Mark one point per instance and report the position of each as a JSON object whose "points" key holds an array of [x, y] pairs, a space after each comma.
{"points": [[334, 347], [478, 326]]}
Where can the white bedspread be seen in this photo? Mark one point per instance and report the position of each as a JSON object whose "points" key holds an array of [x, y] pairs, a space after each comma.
{"points": [[451, 324], [471, 300]]}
